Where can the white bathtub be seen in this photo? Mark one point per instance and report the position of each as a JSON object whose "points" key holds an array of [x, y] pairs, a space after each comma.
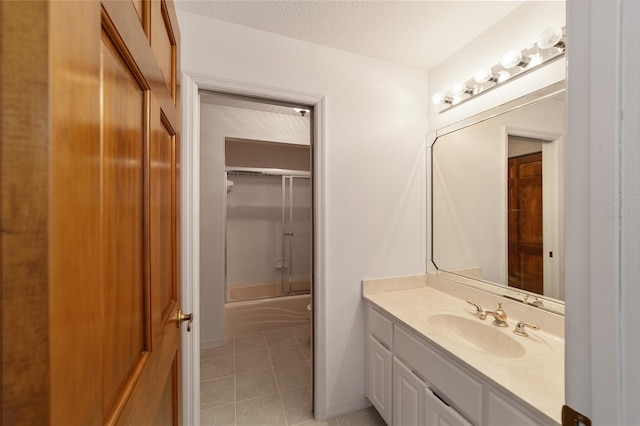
{"points": [[244, 292], [265, 314]]}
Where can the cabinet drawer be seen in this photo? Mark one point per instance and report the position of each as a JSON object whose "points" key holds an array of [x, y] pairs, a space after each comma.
{"points": [[503, 411], [438, 413], [459, 388], [380, 326]]}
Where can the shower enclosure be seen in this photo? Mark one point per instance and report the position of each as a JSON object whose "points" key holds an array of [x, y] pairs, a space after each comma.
{"points": [[268, 233]]}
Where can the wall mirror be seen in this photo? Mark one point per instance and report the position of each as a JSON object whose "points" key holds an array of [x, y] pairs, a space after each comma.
{"points": [[497, 191]]}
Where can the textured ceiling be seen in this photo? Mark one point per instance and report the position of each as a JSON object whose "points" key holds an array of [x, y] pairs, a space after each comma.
{"points": [[419, 34]]}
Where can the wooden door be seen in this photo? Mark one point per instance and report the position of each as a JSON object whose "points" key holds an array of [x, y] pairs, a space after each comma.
{"points": [[525, 223], [90, 213]]}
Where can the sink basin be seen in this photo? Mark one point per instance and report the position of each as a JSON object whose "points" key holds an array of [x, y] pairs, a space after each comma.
{"points": [[476, 334]]}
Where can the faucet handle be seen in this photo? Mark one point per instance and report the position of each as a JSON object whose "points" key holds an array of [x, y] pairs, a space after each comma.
{"points": [[520, 331], [479, 311]]}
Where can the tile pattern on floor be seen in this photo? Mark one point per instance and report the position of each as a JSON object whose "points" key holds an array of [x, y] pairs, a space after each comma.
{"points": [[264, 379]]}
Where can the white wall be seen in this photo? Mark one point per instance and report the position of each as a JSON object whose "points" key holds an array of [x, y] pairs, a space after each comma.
{"points": [[216, 123], [375, 117]]}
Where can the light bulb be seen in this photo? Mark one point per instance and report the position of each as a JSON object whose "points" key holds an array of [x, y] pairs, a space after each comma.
{"points": [[514, 59], [460, 89], [551, 37], [484, 75], [535, 60], [439, 98], [502, 76]]}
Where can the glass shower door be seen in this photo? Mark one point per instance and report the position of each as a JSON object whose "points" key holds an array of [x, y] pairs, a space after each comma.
{"points": [[297, 233], [254, 265], [268, 235]]}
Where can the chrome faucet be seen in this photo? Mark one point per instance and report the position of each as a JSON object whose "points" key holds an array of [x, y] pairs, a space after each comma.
{"points": [[500, 316]]}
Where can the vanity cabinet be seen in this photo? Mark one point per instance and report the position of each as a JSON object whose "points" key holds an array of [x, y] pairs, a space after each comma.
{"points": [[502, 410], [412, 381], [379, 368], [408, 395], [439, 413]]}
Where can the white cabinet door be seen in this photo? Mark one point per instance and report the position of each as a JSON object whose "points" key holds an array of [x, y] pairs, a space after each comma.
{"points": [[437, 413], [379, 378], [408, 396]]}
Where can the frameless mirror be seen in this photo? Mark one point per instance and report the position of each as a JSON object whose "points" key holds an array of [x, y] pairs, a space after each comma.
{"points": [[497, 184]]}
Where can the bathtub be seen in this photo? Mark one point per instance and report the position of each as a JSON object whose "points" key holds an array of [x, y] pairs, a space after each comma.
{"points": [[245, 292], [265, 314]]}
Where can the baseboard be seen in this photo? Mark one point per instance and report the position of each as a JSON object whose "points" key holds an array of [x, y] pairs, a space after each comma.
{"points": [[213, 343], [348, 407]]}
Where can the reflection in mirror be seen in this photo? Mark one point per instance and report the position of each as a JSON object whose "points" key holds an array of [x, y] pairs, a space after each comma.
{"points": [[496, 206]]}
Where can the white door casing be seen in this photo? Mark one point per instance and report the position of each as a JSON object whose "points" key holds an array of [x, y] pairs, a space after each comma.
{"points": [[191, 84]]}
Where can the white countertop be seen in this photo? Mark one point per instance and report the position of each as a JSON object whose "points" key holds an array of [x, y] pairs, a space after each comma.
{"points": [[537, 377]]}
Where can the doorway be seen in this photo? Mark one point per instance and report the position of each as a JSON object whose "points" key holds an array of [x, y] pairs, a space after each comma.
{"points": [[254, 351], [534, 209]]}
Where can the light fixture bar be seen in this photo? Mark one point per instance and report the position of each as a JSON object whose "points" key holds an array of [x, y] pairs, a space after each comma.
{"points": [[551, 44]]}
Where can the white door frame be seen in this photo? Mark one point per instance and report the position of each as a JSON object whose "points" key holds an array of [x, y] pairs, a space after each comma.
{"points": [[602, 238], [190, 226]]}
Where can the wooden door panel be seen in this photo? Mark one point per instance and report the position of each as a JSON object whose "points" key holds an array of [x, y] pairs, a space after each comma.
{"points": [[162, 214], [75, 298], [167, 414], [122, 16], [125, 303], [155, 398], [140, 6], [525, 263], [527, 170], [531, 212], [144, 403], [163, 43], [530, 270]]}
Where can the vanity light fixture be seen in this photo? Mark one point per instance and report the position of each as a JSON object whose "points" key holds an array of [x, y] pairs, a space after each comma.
{"points": [[503, 76], [551, 44], [439, 99], [514, 58], [485, 76], [552, 37], [534, 60], [460, 89]]}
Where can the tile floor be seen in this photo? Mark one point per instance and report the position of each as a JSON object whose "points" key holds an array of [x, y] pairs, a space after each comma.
{"points": [[264, 379]]}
